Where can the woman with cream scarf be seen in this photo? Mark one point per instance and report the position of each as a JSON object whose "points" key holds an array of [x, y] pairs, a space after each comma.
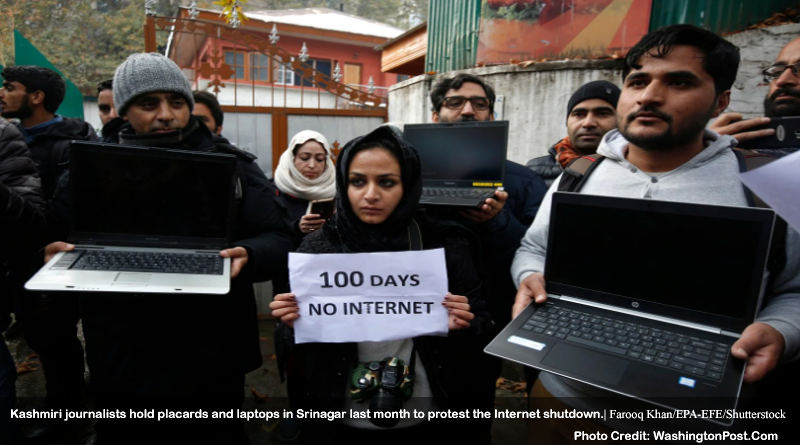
{"points": [[305, 173]]}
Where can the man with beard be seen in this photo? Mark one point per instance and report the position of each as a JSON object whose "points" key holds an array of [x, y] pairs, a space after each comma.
{"points": [[500, 224], [49, 322], [591, 113], [32, 94], [178, 351], [674, 80], [782, 100]]}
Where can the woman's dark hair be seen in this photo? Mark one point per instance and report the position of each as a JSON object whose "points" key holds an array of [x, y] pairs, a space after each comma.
{"points": [[721, 57], [443, 86], [36, 78]]}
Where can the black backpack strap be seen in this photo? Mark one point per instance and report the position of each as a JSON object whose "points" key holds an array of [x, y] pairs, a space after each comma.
{"points": [[577, 171], [749, 160], [414, 236]]}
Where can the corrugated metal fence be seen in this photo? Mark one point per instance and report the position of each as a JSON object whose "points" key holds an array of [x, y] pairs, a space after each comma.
{"points": [[454, 25], [720, 16]]}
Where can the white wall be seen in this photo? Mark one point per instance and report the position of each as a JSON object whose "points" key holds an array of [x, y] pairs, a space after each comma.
{"points": [[335, 128], [536, 96], [251, 132], [91, 114]]}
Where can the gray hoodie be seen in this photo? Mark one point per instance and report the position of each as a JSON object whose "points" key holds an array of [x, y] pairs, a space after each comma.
{"points": [[711, 177]]}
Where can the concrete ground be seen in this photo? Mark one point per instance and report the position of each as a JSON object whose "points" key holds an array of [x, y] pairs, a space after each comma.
{"points": [[263, 391]]}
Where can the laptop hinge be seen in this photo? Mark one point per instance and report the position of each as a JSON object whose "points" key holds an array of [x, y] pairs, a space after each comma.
{"points": [[730, 333], [674, 321]]}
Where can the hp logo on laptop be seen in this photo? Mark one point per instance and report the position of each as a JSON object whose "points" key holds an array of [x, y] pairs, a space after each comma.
{"points": [[635, 304]]}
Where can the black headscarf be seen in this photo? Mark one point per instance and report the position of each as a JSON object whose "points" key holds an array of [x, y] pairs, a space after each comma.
{"points": [[346, 228]]}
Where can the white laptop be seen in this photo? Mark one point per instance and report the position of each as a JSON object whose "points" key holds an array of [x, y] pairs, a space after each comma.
{"points": [[145, 220]]}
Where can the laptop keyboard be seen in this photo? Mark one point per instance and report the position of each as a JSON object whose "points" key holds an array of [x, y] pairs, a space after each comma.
{"points": [[659, 347], [124, 261], [457, 193]]}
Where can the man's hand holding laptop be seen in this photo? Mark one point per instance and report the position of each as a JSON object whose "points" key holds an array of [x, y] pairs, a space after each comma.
{"points": [[488, 210], [760, 344], [238, 255]]}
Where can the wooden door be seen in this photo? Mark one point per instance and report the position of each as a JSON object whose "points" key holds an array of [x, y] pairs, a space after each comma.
{"points": [[352, 74]]}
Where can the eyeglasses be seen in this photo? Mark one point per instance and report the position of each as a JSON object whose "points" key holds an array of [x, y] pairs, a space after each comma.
{"points": [[479, 103], [776, 71]]}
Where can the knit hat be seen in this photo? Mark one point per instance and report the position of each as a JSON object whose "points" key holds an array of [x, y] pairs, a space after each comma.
{"points": [[148, 73], [598, 89]]}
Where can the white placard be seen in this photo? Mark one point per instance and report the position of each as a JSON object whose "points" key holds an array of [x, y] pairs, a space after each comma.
{"points": [[369, 296], [778, 184]]}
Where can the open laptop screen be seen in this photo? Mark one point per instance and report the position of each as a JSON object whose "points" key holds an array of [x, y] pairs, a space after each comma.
{"points": [[461, 152], [150, 193], [707, 259]]}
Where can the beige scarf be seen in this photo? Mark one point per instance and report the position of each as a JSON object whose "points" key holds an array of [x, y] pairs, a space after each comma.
{"points": [[290, 180]]}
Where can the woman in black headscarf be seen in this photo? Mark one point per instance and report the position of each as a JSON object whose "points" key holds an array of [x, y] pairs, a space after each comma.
{"points": [[379, 184]]}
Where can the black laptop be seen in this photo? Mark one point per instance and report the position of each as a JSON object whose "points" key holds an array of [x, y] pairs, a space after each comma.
{"points": [[463, 163], [146, 220], [645, 298]]}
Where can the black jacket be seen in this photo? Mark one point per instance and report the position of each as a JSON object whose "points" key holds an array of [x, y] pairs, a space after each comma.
{"points": [[546, 166], [50, 149], [324, 368], [133, 339], [23, 211], [501, 236]]}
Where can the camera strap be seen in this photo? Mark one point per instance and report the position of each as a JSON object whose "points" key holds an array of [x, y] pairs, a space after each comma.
{"points": [[414, 243]]}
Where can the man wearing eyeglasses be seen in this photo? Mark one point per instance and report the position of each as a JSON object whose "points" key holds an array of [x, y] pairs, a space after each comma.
{"points": [[782, 100], [500, 223]]}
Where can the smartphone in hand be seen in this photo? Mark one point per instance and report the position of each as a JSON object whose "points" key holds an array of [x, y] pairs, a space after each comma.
{"points": [[787, 135], [323, 207]]}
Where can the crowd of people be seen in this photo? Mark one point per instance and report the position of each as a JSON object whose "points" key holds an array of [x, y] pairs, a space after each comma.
{"points": [[651, 131]]}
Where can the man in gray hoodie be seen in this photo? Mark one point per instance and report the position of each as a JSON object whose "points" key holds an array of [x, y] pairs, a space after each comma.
{"points": [[675, 79]]}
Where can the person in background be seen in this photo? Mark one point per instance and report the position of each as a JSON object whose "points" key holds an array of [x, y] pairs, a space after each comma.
{"points": [[22, 222], [305, 173], [49, 321], [782, 100], [208, 111], [591, 113], [105, 101]]}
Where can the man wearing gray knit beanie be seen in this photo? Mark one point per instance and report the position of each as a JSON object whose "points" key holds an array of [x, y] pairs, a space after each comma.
{"points": [[191, 350], [152, 88]]}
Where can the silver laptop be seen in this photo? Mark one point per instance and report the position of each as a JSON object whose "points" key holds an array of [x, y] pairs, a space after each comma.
{"points": [[463, 163], [645, 298], [145, 220]]}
